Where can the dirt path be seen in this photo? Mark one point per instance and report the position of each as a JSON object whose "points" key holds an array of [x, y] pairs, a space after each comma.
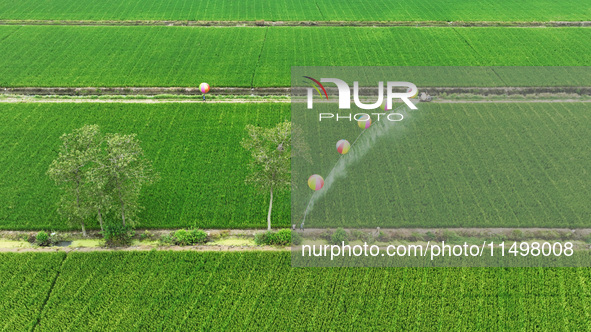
{"points": [[261, 23], [148, 248], [311, 234], [477, 231], [137, 101], [270, 100], [262, 92], [459, 101], [145, 91]]}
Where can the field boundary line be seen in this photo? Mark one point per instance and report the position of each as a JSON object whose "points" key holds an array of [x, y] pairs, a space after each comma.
{"points": [[95, 233], [505, 101], [254, 72], [277, 91], [59, 270], [138, 101], [203, 248], [261, 23], [30, 100]]}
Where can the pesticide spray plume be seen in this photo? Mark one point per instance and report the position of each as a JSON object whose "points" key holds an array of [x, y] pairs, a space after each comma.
{"points": [[359, 148]]}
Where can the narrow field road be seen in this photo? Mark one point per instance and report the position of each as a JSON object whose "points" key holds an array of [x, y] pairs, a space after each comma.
{"points": [[137, 101], [148, 248], [242, 101], [261, 23]]}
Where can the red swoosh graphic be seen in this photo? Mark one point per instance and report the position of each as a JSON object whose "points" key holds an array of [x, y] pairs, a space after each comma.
{"points": [[320, 84]]}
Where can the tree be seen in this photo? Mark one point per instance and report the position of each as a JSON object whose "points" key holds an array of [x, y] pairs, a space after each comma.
{"points": [[99, 174], [126, 170], [270, 149], [70, 171]]}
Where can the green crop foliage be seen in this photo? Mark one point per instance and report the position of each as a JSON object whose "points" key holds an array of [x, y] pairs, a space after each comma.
{"points": [[128, 56], [346, 46], [470, 165], [25, 282], [261, 291], [195, 148], [262, 57], [460, 165], [291, 10]]}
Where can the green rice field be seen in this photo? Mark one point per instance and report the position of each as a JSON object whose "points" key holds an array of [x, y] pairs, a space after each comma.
{"points": [[63, 56], [465, 165], [135, 291], [302, 10]]}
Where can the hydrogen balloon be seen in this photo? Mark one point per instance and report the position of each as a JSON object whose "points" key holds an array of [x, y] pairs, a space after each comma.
{"points": [[315, 182], [364, 123], [343, 146], [204, 87]]}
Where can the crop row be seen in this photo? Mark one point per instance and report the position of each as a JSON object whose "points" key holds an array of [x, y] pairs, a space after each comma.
{"points": [[195, 148], [292, 10], [261, 291], [262, 57]]}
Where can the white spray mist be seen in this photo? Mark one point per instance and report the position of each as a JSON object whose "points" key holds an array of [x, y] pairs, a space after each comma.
{"points": [[359, 148]]}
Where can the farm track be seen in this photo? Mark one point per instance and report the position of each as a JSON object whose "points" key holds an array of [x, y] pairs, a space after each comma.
{"points": [[300, 23], [243, 101], [136, 101], [148, 248], [470, 231], [273, 91], [308, 233]]}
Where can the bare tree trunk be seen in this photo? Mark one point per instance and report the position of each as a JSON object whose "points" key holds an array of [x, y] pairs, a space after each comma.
{"points": [[123, 213], [78, 202], [122, 204], [100, 218], [270, 208]]}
